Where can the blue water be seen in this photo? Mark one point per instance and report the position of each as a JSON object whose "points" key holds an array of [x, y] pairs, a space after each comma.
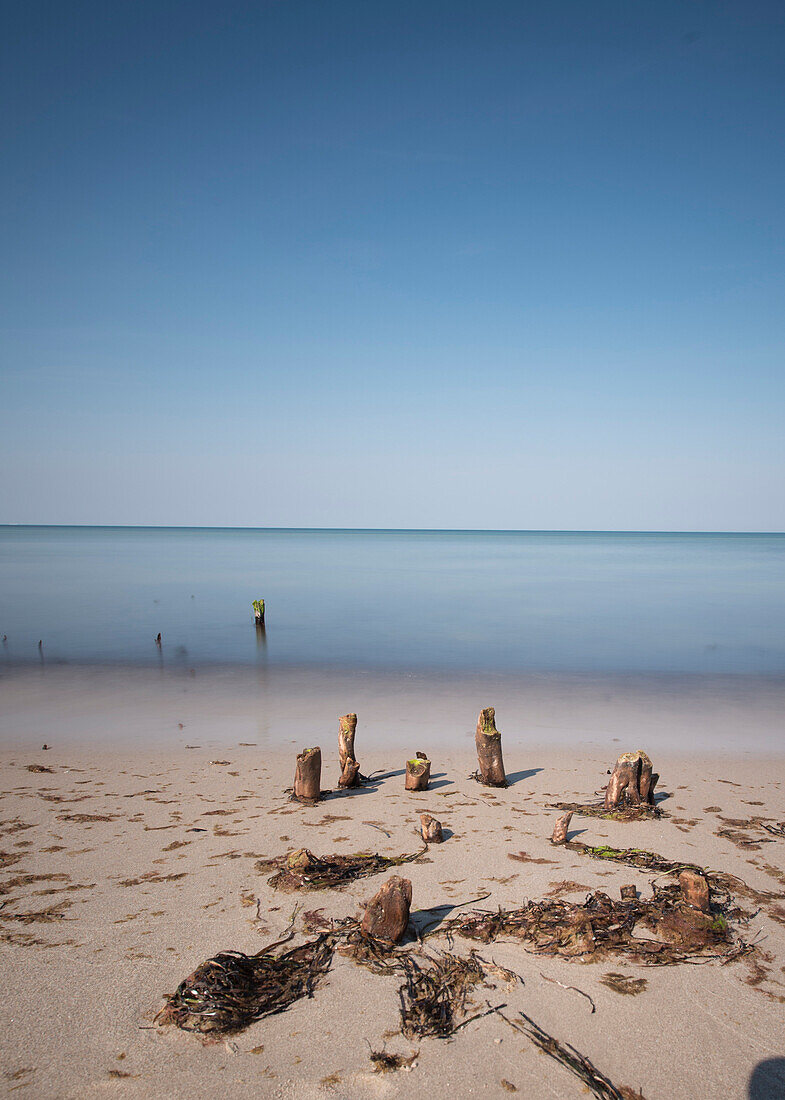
{"points": [[442, 600]]}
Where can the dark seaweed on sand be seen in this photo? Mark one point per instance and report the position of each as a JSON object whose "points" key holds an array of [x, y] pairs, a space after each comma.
{"points": [[435, 992], [231, 990], [640, 812], [302, 870], [597, 1083], [601, 926]]}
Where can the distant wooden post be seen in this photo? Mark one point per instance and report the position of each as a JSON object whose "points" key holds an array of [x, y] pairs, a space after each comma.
{"points": [[308, 776], [258, 612], [560, 829], [489, 750], [431, 829]]}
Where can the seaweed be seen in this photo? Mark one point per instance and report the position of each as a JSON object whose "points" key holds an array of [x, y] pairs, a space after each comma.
{"points": [[597, 1083], [639, 812], [231, 990], [302, 870], [623, 983], [435, 994], [600, 926], [388, 1063], [633, 857]]}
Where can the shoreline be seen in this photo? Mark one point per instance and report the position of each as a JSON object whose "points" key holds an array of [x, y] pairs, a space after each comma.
{"points": [[102, 706]]}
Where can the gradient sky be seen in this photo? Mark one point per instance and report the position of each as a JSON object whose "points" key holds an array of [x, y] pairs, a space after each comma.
{"points": [[393, 264]]}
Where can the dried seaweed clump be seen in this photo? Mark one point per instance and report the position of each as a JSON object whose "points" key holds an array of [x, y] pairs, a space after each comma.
{"points": [[672, 930], [388, 1063], [231, 990], [638, 812], [302, 870], [435, 992]]}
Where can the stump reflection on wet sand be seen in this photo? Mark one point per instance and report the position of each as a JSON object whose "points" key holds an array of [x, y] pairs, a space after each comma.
{"points": [[418, 773], [350, 769], [489, 750], [431, 829], [308, 775], [387, 913], [632, 782]]}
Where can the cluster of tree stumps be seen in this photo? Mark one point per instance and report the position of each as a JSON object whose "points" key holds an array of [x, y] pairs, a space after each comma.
{"points": [[628, 795]]}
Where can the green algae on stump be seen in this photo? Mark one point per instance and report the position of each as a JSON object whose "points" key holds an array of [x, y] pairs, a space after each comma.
{"points": [[418, 773]]}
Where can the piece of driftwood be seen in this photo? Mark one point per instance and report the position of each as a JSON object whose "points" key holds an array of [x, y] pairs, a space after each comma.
{"points": [[560, 829], [632, 782], [418, 773], [350, 769], [308, 776], [628, 892], [489, 750], [387, 913], [228, 992], [302, 870], [431, 829]]}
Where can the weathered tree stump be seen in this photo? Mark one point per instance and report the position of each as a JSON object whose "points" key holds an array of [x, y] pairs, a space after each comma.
{"points": [[560, 829], [632, 782], [695, 891], [387, 913], [308, 775], [489, 750], [628, 893], [431, 829], [418, 773], [350, 769], [258, 612]]}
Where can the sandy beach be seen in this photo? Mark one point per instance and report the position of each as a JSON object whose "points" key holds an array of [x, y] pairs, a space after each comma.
{"points": [[124, 868]]}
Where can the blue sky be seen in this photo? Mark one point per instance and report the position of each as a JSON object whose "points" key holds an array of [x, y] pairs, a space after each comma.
{"points": [[392, 264]]}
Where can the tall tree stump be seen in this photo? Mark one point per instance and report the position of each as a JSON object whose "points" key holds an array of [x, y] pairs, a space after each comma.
{"points": [[418, 773], [387, 913], [489, 750], [632, 781], [258, 612], [308, 776], [350, 769], [431, 829]]}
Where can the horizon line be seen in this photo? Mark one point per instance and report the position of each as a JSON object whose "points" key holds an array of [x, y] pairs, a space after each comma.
{"points": [[398, 530]]}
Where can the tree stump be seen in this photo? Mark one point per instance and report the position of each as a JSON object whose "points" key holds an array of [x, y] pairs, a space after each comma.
{"points": [[559, 835], [489, 750], [308, 776], [431, 829], [258, 612], [695, 891], [632, 781], [628, 893], [387, 913], [418, 773], [350, 769]]}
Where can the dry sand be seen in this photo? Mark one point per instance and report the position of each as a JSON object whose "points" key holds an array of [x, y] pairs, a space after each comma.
{"points": [[126, 868]]}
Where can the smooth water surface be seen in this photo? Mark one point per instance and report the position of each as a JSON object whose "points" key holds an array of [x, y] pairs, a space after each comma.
{"points": [[504, 601]]}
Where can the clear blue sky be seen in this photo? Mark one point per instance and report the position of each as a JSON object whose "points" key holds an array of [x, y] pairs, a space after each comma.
{"points": [[393, 264]]}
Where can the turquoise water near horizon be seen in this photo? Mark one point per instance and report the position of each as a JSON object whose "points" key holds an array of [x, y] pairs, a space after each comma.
{"points": [[443, 600]]}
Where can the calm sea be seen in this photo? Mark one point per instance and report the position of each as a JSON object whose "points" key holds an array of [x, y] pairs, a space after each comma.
{"points": [[441, 600]]}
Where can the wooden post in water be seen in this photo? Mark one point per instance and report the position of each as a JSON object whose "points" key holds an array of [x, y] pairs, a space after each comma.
{"points": [[258, 612], [489, 750]]}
